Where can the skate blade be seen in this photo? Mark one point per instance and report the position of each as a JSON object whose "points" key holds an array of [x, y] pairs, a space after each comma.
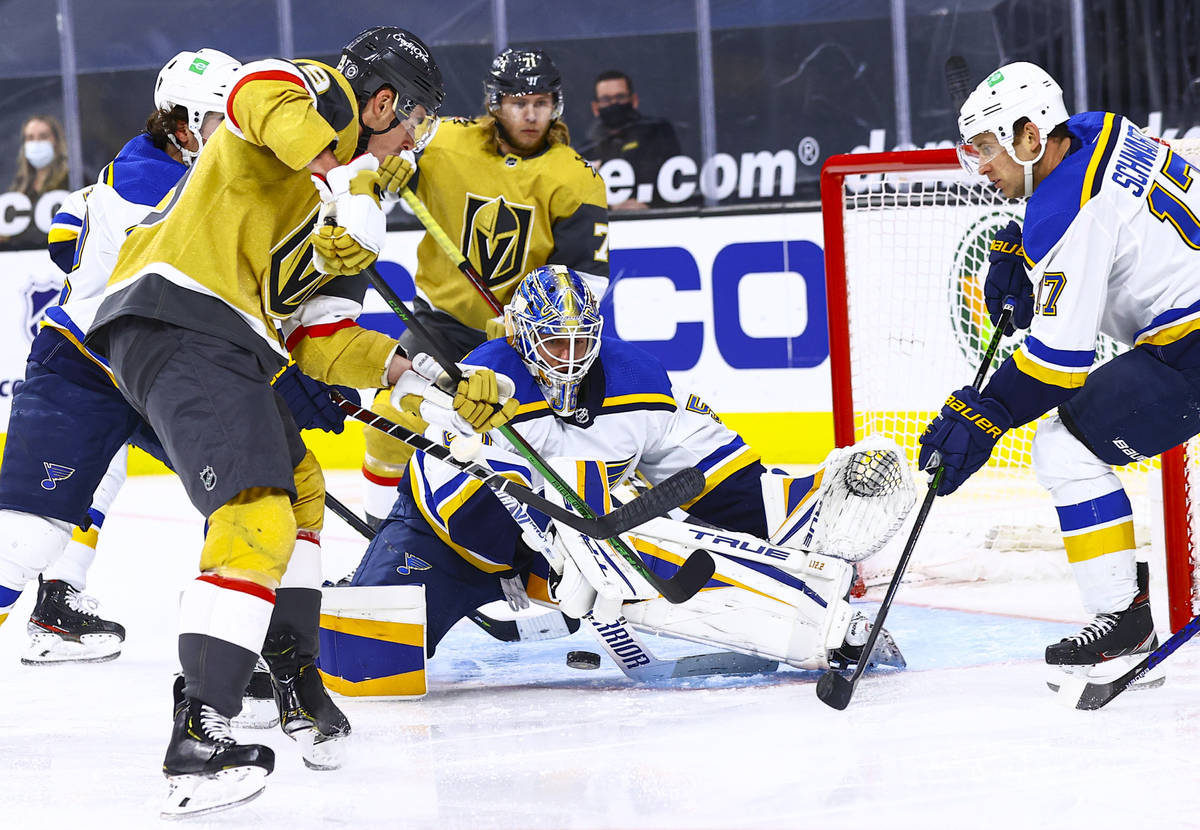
{"points": [[1105, 672], [256, 713], [197, 795], [48, 649], [319, 752]]}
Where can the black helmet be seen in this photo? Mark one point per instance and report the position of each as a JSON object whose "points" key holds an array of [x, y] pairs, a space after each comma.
{"points": [[522, 72], [399, 59]]}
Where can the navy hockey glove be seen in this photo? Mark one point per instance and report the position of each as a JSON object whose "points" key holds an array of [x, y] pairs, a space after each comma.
{"points": [[309, 401], [963, 436], [1006, 278]]}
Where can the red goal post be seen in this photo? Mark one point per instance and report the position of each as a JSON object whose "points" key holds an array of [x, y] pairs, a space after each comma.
{"points": [[906, 237]]}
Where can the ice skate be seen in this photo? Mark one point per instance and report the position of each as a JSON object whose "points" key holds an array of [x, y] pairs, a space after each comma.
{"points": [[64, 628], [886, 652], [258, 701], [306, 712], [206, 769]]}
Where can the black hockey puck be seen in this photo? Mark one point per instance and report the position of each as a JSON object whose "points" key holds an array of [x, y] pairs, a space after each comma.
{"points": [[583, 659]]}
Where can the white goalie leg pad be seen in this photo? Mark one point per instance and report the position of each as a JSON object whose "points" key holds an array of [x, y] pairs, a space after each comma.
{"points": [[29, 544], [864, 493], [373, 641], [794, 616]]}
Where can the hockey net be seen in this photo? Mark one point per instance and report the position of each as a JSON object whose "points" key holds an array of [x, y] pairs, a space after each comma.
{"points": [[906, 243]]}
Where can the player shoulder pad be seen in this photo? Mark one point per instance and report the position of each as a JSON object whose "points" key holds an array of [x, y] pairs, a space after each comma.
{"points": [[141, 173], [630, 370], [1077, 179], [334, 98]]}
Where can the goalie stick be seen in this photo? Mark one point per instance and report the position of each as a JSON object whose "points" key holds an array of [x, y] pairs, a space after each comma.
{"points": [[683, 486], [1094, 695], [681, 587], [834, 689], [632, 657]]}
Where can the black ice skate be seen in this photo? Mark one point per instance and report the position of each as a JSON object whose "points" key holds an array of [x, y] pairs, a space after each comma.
{"points": [[847, 655], [1111, 635], [208, 770], [1110, 644], [64, 628], [306, 712], [258, 701]]}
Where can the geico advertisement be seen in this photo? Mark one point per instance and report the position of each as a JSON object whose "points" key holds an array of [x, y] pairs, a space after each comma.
{"points": [[734, 307]]}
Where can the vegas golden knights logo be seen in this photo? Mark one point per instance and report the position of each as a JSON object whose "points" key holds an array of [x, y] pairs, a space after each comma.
{"points": [[496, 237]]}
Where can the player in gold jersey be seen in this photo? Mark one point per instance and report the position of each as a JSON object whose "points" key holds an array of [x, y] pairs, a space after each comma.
{"points": [[511, 192], [244, 262]]}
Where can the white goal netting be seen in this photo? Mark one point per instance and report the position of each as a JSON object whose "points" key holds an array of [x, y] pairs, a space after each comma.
{"points": [[915, 258]]}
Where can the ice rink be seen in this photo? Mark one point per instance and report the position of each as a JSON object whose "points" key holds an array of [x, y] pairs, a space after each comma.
{"points": [[510, 737]]}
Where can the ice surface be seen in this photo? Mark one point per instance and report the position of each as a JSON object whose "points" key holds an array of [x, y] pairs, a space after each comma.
{"points": [[510, 737]]}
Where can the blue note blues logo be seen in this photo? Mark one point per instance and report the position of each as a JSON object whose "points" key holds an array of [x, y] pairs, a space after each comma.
{"points": [[412, 563], [55, 473]]}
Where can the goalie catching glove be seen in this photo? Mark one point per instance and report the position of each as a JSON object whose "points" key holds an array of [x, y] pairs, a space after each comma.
{"points": [[481, 401], [351, 224]]}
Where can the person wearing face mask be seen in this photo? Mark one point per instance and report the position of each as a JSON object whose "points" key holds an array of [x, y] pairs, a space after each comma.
{"points": [[622, 131], [41, 168]]}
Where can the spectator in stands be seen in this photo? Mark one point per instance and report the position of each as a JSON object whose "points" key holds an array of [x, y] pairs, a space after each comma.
{"points": [[621, 131], [41, 168]]}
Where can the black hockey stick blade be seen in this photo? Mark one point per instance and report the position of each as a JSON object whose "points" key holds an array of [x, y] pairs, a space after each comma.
{"points": [[958, 80], [1095, 695], [510, 631], [659, 500], [685, 583]]}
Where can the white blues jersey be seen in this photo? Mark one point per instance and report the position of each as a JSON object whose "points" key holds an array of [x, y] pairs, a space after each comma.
{"points": [[127, 189], [630, 418], [1112, 238]]}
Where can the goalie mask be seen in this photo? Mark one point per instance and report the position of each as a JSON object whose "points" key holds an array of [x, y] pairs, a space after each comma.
{"points": [[1012, 92], [199, 82], [388, 56], [554, 323], [523, 72]]}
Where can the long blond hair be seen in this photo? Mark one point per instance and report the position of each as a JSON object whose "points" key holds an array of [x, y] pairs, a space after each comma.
{"points": [[56, 174], [558, 134]]}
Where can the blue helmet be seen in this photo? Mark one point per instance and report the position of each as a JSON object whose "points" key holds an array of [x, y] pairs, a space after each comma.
{"points": [[554, 323]]}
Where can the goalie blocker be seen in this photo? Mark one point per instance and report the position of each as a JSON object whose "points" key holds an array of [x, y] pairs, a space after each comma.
{"points": [[769, 598]]}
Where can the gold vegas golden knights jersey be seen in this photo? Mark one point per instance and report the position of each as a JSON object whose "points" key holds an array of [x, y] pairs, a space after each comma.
{"points": [[227, 251], [507, 214]]}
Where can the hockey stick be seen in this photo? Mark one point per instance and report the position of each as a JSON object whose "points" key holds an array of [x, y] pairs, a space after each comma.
{"points": [[680, 588], [674, 491], [834, 689], [547, 626], [348, 516], [448, 247], [632, 657], [1095, 695]]}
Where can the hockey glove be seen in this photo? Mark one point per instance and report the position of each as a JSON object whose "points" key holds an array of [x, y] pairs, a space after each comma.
{"points": [[308, 399], [351, 224], [1007, 279], [395, 172], [481, 401], [962, 436]]}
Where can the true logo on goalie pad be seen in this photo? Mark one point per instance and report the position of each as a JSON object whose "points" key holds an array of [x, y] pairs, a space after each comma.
{"points": [[739, 545]]}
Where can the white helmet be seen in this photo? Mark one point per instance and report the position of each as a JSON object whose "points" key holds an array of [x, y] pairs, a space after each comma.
{"points": [[199, 82], [1014, 91]]}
